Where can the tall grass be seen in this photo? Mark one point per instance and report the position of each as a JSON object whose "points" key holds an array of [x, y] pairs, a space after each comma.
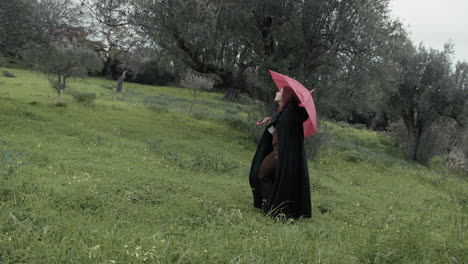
{"points": [[128, 182]]}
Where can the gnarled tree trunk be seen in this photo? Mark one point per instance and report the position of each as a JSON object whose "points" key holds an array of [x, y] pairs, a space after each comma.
{"points": [[58, 86], [414, 129], [120, 82]]}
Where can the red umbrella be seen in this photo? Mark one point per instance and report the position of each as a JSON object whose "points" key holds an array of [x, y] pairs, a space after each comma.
{"points": [[304, 95]]}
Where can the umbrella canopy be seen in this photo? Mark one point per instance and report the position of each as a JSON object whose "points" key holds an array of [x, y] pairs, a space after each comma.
{"points": [[305, 97]]}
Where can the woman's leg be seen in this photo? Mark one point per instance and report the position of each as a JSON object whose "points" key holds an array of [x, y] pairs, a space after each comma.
{"points": [[266, 174]]}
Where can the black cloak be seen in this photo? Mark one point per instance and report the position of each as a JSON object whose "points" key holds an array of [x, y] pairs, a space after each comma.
{"points": [[291, 190]]}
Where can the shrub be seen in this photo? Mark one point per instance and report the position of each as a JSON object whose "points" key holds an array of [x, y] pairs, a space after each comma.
{"points": [[8, 74], [155, 72], [457, 161], [83, 97]]}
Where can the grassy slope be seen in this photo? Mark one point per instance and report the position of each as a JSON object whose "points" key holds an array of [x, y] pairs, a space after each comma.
{"points": [[120, 183]]}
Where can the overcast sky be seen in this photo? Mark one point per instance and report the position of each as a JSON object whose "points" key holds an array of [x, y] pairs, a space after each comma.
{"points": [[435, 22]]}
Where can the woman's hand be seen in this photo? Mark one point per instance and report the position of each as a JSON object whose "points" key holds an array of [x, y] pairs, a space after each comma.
{"points": [[265, 121]]}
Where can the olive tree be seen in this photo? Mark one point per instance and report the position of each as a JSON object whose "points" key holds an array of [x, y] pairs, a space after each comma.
{"points": [[305, 39], [422, 92], [61, 63], [196, 85]]}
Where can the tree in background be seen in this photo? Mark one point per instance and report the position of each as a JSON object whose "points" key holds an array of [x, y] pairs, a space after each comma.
{"points": [[109, 25], [422, 92], [16, 25], [62, 50], [457, 109], [304, 39], [159, 69], [23, 22], [196, 85], [60, 63], [132, 63], [356, 90]]}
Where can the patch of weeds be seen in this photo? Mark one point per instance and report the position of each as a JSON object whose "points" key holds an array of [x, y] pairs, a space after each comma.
{"points": [[202, 162], [325, 206], [173, 156], [83, 97], [143, 195], [34, 103], [29, 115], [58, 102], [215, 163], [9, 163], [120, 132], [226, 166], [157, 108], [317, 186], [8, 74], [88, 202], [353, 156], [154, 145], [197, 115]]}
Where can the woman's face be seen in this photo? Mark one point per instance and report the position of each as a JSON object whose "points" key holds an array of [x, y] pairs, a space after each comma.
{"points": [[278, 96]]}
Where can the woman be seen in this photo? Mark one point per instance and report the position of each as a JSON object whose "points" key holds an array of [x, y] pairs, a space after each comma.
{"points": [[279, 175]]}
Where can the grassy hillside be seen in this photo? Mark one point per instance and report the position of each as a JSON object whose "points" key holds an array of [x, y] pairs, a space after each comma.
{"points": [[133, 179]]}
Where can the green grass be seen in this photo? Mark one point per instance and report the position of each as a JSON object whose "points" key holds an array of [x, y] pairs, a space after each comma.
{"points": [[133, 179]]}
